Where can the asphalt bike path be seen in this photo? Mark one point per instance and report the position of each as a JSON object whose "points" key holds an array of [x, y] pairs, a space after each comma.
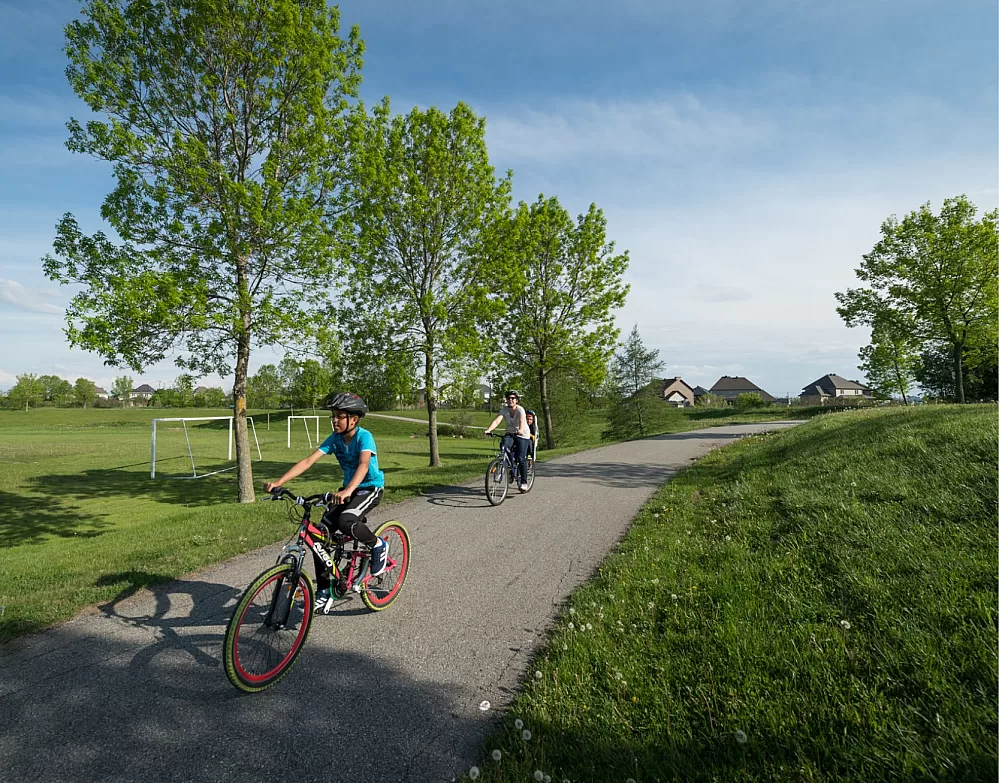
{"points": [[135, 690]]}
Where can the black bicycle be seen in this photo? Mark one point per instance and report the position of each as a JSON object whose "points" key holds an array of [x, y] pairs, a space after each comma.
{"points": [[271, 621], [502, 471]]}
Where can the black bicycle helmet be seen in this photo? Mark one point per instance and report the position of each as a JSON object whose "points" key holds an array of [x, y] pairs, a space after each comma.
{"points": [[345, 401]]}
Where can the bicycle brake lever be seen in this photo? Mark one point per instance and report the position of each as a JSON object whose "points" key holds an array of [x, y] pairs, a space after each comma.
{"points": [[299, 501]]}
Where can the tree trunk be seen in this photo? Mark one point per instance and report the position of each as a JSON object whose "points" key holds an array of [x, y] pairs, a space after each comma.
{"points": [[244, 466], [546, 409], [431, 400], [959, 372]]}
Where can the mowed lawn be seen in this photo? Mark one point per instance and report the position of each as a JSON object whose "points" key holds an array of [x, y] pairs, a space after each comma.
{"points": [[81, 522], [813, 605]]}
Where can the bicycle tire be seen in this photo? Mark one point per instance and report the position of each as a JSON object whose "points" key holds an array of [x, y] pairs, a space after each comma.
{"points": [[257, 654], [496, 483], [530, 474], [379, 592]]}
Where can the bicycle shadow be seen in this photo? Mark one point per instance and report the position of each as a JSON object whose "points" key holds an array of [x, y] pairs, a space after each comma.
{"points": [[457, 497]]}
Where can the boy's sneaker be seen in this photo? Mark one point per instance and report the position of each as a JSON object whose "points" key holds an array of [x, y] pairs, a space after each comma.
{"points": [[379, 557], [324, 601], [523, 487]]}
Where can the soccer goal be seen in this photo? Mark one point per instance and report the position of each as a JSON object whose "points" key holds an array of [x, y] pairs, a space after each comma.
{"points": [[190, 450], [308, 432]]}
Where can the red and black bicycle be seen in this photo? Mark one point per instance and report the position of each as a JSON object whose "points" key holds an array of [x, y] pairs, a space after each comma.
{"points": [[271, 621]]}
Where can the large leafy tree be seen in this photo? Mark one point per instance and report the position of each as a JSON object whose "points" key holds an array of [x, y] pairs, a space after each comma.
{"points": [[27, 391], [635, 405], [889, 362], [226, 124], [560, 282], [427, 195], [84, 392], [121, 388], [265, 389], [937, 272]]}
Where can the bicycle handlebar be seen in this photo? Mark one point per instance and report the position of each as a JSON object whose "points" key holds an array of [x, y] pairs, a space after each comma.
{"points": [[322, 499]]}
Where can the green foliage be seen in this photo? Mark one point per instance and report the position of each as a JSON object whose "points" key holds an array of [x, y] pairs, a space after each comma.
{"points": [[265, 389], [84, 392], [635, 406], [710, 400], [28, 391], [889, 362], [306, 381], [122, 389], [425, 194], [559, 283], [934, 371], [227, 126], [749, 400], [934, 274]]}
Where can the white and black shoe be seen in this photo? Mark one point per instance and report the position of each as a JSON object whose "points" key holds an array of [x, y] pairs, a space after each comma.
{"points": [[324, 602], [379, 557]]}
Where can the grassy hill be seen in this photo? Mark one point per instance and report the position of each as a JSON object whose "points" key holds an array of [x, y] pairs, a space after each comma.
{"points": [[816, 605]]}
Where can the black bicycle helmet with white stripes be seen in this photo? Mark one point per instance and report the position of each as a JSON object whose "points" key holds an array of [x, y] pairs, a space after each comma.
{"points": [[346, 402]]}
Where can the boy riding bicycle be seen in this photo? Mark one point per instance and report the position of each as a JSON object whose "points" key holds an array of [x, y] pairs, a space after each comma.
{"points": [[363, 485], [518, 432]]}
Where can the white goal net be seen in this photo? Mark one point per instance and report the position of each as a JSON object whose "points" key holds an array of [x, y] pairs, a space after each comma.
{"points": [[197, 444], [308, 430]]}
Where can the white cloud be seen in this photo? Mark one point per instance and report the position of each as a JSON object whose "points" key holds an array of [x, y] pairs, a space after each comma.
{"points": [[28, 299]]}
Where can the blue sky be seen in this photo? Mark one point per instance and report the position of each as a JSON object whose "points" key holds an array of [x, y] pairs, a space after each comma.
{"points": [[745, 153]]}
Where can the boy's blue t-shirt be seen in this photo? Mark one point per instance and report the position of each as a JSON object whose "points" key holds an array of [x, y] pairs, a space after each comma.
{"points": [[349, 455]]}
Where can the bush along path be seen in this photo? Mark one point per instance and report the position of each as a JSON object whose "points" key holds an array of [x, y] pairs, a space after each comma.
{"points": [[817, 604]]}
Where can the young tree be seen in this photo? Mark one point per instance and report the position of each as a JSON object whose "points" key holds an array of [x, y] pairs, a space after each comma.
{"points": [[889, 362], [938, 272], [426, 193], [122, 389], [27, 391], [559, 283], [55, 389], [212, 397], [84, 392], [227, 127], [634, 403]]}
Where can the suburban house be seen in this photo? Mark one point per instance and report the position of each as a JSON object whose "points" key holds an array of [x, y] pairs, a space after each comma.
{"points": [[831, 386], [677, 392], [728, 387], [699, 391], [102, 392]]}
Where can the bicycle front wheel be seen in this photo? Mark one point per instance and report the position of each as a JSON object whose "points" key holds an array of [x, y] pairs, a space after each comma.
{"points": [[496, 482], [268, 628], [382, 590], [530, 474]]}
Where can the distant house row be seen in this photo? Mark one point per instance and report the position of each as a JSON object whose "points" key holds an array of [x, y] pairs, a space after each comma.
{"points": [[681, 394]]}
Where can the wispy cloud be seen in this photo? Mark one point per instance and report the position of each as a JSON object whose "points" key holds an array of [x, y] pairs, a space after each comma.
{"points": [[31, 300], [661, 129]]}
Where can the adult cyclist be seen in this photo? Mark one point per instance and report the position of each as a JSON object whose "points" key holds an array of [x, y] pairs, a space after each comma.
{"points": [[363, 485], [518, 434]]}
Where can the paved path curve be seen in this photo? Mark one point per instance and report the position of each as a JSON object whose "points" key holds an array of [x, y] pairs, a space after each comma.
{"points": [[135, 691]]}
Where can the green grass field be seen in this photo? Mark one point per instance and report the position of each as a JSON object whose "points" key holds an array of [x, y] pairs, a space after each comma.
{"points": [[814, 605]]}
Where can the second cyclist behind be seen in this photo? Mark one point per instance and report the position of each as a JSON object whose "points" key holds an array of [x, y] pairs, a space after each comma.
{"points": [[363, 485], [518, 431]]}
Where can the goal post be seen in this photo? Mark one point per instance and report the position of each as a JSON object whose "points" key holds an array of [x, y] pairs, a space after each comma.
{"points": [[308, 433], [190, 451]]}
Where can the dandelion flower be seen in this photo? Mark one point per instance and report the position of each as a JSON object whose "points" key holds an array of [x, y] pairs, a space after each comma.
{"points": [[617, 675], [845, 624], [539, 775], [740, 737], [473, 773], [655, 581], [572, 610], [526, 734], [497, 755], [484, 706], [548, 779], [518, 724], [589, 627], [537, 675], [571, 626], [652, 605], [728, 538], [674, 596], [630, 780]]}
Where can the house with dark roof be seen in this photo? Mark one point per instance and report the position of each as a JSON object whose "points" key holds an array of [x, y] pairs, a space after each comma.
{"points": [[699, 391], [728, 387], [830, 387], [676, 392], [101, 392]]}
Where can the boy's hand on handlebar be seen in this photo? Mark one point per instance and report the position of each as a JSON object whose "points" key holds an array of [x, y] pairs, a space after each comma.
{"points": [[337, 498], [270, 486]]}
